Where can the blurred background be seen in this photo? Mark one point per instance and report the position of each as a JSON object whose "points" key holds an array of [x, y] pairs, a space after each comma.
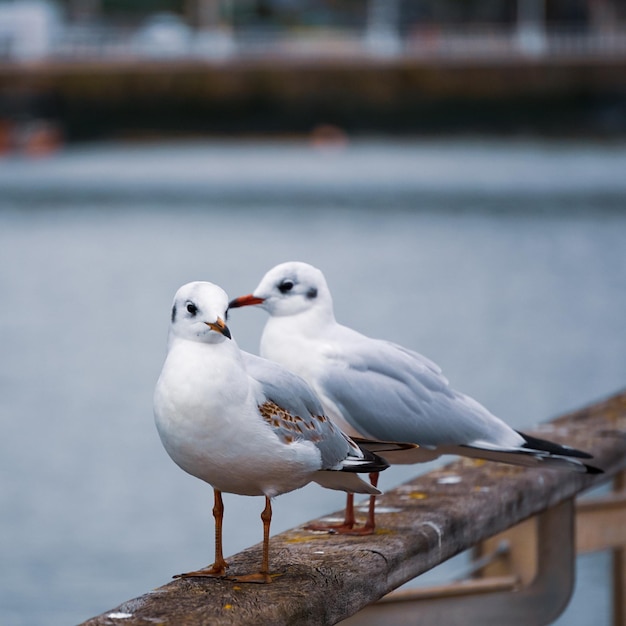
{"points": [[456, 169], [102, 69]]}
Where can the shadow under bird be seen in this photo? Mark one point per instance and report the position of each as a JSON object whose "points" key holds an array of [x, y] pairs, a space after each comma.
{"points": [[243, 424], [377, 389]]}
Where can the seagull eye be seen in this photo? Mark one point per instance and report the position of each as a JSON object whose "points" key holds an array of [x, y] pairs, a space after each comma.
{"points": [[192, 308], [285, 286]]}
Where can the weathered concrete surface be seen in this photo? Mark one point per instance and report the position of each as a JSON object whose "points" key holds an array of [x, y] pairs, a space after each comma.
{"points": [[324, 578]]}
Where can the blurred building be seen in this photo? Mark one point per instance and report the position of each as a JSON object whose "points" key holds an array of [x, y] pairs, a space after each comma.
{"points": [[118, 67], [29, 29]]}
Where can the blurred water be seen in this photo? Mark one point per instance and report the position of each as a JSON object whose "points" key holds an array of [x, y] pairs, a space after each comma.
{"points": [[503, 262]]}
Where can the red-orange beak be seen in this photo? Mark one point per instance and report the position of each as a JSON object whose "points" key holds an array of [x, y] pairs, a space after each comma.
{"points": [[245, 301]]}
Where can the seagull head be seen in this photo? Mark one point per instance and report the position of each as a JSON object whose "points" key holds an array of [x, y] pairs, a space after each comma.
{"points": [[289, 289], [198, 313]]}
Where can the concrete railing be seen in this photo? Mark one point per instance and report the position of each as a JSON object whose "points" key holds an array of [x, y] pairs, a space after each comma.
{"points": [[523, 577]]}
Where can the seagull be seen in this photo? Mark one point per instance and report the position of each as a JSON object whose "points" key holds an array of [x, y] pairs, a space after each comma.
{"points": [[243, 424], [377, 389]]}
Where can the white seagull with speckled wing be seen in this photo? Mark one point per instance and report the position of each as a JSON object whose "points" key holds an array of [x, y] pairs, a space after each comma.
{"points": [[377, 389], [243, 424]]}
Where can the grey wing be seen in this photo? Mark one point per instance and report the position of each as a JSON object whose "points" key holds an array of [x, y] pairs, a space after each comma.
{"points": [[294, 412], [388, 392], [283, 386]]}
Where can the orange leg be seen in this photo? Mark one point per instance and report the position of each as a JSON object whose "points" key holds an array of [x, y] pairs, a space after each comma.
{"points": [[264, 575], [347, 527], [218, 569], [370, 525]]}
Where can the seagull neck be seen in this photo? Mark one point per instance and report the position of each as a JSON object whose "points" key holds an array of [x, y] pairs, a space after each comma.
{"points": [[309, 321], [213, 363], [217, 350]]}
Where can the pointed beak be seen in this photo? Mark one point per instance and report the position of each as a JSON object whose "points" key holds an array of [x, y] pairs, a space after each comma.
{"points": [[245, 301], [219, 327]]}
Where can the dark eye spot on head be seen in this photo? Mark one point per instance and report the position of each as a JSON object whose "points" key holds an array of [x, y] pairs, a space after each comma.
{"points": [[192, 308], [173, 314], [311, 293], [285, 286]]}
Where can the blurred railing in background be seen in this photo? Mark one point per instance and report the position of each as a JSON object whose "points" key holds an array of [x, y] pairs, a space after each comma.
{"points": [[35, 30], [159, 42]]}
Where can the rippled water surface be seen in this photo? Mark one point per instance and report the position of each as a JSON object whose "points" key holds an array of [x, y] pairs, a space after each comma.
{"points": [[505, 262]]}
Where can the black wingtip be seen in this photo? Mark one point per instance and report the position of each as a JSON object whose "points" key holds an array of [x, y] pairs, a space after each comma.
{"points": [[535, 443], [374, 462], [593, 470], [375, 446]]}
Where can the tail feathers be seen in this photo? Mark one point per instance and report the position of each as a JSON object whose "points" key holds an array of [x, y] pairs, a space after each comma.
{"points": [[344, 481], [343, 477], [529, 457]]}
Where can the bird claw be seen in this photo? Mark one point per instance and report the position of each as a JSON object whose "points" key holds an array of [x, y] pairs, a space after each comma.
{"points": [[342, 529]]}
